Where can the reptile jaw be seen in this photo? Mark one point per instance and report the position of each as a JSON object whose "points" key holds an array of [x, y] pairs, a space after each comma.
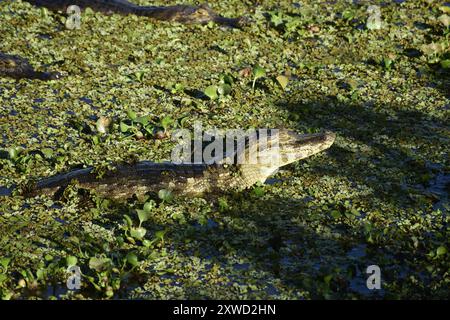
{"points": [[294, 147], [284, 148]]}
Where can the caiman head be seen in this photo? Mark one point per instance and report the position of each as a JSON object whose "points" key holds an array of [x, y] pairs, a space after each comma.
{"points": [[280, 149]]}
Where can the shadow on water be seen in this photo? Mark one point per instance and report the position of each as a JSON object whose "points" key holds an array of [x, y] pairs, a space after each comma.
{"points": [[382, 164], [5, 192]]}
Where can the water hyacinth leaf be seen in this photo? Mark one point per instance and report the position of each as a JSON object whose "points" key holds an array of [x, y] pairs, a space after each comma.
{"points": [[211, 92], [132, 259], [166, 122], [143, 216], [165, 195], [124, 127], [40, 274], [441, 251], [146, 243], [144, 120], [258, 72], [228, 79], [128, 221], [177, 88], [139, 135], [159, 235], [71, 261], [139, 76], [348, 15], [445, 64], [99, 264], [276, 17], [387, 63], [283, 81], [224, 89], [149, 205], [4, 262], [131, 114], [138, 233], [258, 191]]}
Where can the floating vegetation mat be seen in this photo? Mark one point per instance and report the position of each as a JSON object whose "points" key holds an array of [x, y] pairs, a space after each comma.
{"points": [[379, 196]]}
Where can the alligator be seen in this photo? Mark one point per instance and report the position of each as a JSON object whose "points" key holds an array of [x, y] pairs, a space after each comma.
{"points": [[202, 14], [189, 179]]}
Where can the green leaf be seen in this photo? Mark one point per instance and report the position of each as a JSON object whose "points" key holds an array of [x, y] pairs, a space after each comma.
{"points": [[441, 251], [138, 233], [445, 64], [211, 92], [99, 264], [131, 114], [143, 216], [132, 259], [4, 262], [48, 152], [165, 195], [336, 214], [149, 205], [387, 63], [224, 89], [139, 75], [226, 78], [258, 191], [147, 243], [166, 122], [124, 127], [128, 221], [144, 120], [258, 72], [95, 140], [223, 204], [40, 274], [276, 18], [177, 88], [283, 81], [159, 235], [347, 15], [71, 261]]}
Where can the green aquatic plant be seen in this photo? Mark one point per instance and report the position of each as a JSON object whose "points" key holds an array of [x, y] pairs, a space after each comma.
{"points": [[165, 195], [211, 92], [258, 72]]}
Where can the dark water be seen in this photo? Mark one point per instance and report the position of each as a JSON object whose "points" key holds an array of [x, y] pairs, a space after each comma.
{"points": [[5, 192], [441, 187]]}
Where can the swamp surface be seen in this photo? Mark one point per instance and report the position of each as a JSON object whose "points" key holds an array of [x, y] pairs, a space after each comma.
{"points": [[378, 196]]}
